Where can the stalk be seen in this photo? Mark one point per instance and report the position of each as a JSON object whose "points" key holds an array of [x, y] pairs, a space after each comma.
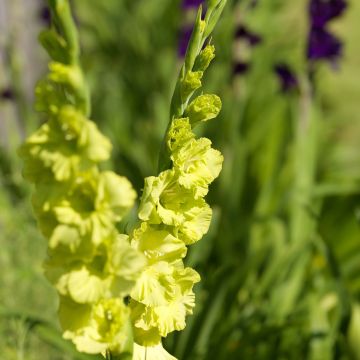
{"points": [[78, 206]]}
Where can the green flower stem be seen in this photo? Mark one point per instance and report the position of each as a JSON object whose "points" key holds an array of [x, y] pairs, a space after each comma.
{"points": [[201, 32], [173, 208], [64, 23], [78, 206]]}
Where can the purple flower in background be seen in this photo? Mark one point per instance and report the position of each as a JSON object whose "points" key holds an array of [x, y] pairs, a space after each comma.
{"points": [[185, 32], [240, 68], [185, 36], [188, 4], [45, 15], [287, 77], [323, 45], [243, 33], [7, 94], [322, 11]]}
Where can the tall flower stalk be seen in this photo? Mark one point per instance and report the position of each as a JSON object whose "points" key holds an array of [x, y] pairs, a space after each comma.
{"points": [[173, 211], [77, 205], [120, 295]]}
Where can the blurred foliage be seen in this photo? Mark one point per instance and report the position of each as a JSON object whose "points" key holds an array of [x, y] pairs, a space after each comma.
{"points": [[281, 262]]}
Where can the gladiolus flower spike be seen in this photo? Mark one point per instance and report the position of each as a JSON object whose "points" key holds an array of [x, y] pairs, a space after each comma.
{"points": [[77, 205], [173, 211]]}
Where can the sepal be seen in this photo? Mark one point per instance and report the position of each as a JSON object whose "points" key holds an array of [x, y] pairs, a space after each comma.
{"points": [[190, 83], [204, 59], [197, 165]]}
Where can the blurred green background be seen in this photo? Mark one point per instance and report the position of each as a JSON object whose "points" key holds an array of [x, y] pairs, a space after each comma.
{"points": [[280, 265]]}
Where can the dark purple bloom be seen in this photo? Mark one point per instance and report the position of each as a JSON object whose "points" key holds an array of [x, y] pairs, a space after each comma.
{"points": [[45, 15], [323, 45], [188, 4], [7, 94], [243, 33], [287, 77], [184, 39], [240, 68], [322, 11]]}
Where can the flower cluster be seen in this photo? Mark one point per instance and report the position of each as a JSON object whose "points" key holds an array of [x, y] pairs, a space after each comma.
{"points": [[173, 211], [113, 288], [322, 44], [78, 206]]}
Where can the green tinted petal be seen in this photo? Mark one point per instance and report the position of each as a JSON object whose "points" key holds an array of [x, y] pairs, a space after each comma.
{"points": [[186, 278], [106, 326], [158, 244], [80, 283], [205, 57], [170, 318], [179, 133], [125, 263], [203, 108], [154, 285], [66, 74], [151, 208], [65, 235], [85, 286], [87, 138], [98, 147], [196, 224], [198, 165], [174, 300], [66, 144], [117, 191]]}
